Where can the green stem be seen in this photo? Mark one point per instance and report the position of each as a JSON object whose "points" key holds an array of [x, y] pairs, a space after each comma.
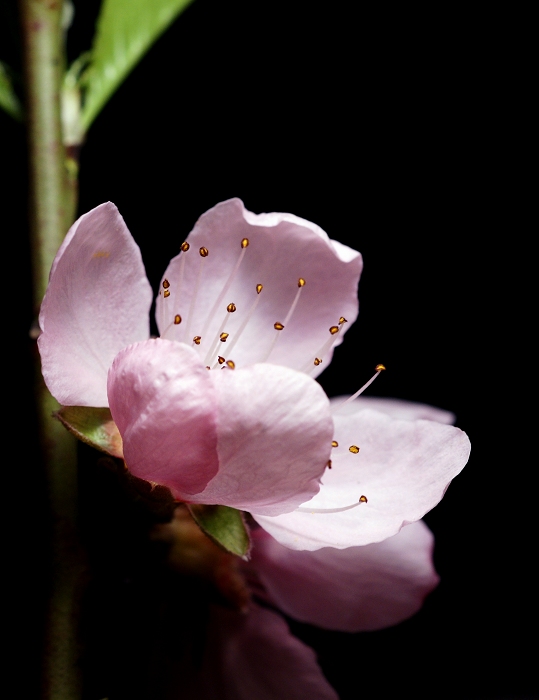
{"points": [[44, 65], [51, 212]]}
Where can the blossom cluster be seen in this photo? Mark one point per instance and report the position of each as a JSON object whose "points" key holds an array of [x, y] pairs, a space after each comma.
{"points": [[223, 409]]}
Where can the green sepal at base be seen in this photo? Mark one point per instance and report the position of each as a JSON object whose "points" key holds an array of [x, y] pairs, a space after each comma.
{"points": [[94, 426], [225, 526]]}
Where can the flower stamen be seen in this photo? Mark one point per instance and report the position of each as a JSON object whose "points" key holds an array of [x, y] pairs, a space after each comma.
{"points": [[378, 368], [176, 322], [204, 252], [165, 293], [220, 361], [220, 333], [224, 290], [281, 326], [319, 357], [250, 313], [362, 499]]}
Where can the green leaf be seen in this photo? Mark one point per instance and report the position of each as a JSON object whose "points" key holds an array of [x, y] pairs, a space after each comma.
{"points": [[94, 426], [8, 99], [125, 31], [223, 525]]}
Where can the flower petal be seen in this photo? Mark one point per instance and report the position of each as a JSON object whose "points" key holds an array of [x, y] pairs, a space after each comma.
{"points": [[396, 408], [97, 302], [254, 656], [274, 439], [403, 469], [355, 589], [282, 248], [163, 402]]}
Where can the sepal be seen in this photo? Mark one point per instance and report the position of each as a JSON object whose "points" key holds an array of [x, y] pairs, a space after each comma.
{"points": [[225, 526], [93, 426]]}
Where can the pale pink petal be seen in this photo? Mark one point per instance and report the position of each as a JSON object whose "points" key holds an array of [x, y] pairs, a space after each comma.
{"points": [[396, 408], [263, 433], [254, 657], [163, 401], [97, 302], [274, 439], [403, 468], [282, 248], [355, 589]]}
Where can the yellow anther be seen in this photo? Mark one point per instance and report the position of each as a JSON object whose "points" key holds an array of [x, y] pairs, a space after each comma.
{"points": [[220, 359], [259, 288], [342, 320], [379, 368], [354, 449], [334, 329], [185, 246], [301, 282], [363, 499], [223, 337], [166, 293], [278, 326], [231, 364], [317, 361], [177, 319], [244, 242], [328, 465], [231, 308], [204, 252], [197, 339], [166, 284], [334, 443]]}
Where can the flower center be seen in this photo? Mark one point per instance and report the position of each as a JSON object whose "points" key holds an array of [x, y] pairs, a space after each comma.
{"points": [[229, 331]]}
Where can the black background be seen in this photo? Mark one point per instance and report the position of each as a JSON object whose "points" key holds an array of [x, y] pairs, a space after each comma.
{"points": [[383, 127]]}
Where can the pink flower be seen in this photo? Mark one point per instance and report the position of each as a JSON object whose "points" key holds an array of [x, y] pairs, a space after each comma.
{"points": [[261, 301], [256, 432], [257, 437]]}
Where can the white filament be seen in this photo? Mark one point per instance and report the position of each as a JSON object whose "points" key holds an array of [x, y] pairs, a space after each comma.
{"points": [[162, 314], [180, 277], [164, 333], [309, 367], [285, 322], [224, 290], [216, 340], [329, 510], [245, 322], [193, 301], [358, 392]]}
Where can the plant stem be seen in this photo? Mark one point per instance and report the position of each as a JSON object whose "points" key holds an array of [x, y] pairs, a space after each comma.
{"points": [[44, 64], [51, 211]]}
